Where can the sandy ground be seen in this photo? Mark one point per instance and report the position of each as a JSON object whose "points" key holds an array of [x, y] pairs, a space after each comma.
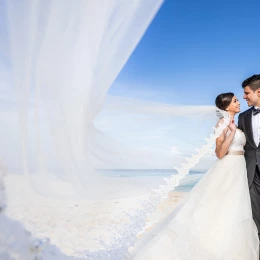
{"points": [[74, 225]]}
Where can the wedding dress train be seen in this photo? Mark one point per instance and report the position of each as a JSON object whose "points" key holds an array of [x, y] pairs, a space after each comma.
{"points": [[215, 221]]}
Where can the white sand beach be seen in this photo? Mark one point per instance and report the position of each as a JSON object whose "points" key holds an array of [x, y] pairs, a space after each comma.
{"points": [[74, 225]]}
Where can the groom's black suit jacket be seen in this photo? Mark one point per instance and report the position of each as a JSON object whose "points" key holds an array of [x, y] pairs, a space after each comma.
{"points": [[252, 152]]}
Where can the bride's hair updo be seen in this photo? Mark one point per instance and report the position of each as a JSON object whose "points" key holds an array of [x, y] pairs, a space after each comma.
{"points": [[223, 100]]}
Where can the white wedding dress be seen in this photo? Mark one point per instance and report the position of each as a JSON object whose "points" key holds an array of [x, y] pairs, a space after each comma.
{"points": [[215, 220]]}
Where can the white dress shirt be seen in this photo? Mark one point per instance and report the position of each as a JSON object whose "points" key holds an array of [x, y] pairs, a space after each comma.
{"points": [[256, 127]]}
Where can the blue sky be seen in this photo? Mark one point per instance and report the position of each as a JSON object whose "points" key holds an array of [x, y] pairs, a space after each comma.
{"points": [[194, 50]]}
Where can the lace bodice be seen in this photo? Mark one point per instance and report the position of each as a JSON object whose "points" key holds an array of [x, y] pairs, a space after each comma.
{"points": [[238, 142]]}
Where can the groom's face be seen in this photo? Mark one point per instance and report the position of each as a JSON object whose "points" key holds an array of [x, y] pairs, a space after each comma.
{"points": [[252, 97]]}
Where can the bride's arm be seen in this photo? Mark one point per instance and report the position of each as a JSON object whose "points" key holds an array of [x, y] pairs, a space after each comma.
{"points": [[223, 142]]}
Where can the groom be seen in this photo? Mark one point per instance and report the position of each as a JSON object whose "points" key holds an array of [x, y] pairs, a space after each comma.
{"points": [[249, 123]]}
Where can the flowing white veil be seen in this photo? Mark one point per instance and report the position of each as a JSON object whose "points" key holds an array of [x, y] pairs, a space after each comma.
{"points": [[62, 60], [57, 62]]}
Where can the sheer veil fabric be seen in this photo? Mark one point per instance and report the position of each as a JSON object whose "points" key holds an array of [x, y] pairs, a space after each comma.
{"points": [[57, 61], [60, 60]]}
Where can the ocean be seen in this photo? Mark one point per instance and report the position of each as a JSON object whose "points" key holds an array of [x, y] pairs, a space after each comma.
{"points": [[190, 181]]}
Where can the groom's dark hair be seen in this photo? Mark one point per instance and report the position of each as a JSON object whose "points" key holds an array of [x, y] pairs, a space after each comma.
{"points": [[252, 82]]}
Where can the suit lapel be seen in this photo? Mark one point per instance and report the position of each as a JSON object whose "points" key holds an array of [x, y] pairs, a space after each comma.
{"points": [[249, 127]]}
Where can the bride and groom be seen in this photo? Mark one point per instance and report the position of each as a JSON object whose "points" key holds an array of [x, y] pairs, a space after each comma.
{"points": [[220, 218]]}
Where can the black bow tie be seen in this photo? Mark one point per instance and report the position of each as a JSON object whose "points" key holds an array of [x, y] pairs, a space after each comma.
{"points": [[256, 111]]}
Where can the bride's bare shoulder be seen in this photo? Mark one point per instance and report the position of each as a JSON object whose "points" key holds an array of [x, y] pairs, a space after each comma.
{"points": [[219, 123]]}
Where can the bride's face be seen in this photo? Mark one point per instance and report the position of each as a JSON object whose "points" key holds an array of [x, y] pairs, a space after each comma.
{"points": [[234, 106]]}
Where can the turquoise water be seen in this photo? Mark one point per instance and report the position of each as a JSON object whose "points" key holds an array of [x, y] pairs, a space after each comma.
{"points": [[142, 172], [186, 187], [149, 173]]}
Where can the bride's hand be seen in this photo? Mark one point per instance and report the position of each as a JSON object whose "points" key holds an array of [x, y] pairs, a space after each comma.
{"points": [[232, 125]]}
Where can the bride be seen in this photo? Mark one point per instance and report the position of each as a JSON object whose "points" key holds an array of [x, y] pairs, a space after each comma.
{"points": [[215, 220]]}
